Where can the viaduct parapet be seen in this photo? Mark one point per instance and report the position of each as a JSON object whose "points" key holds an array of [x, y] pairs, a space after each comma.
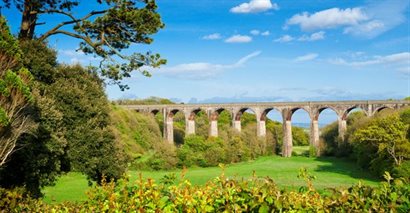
{"points": [[286, 109]]}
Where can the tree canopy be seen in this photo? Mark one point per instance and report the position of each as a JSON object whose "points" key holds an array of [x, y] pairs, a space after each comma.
{"points": [[103, 32]]}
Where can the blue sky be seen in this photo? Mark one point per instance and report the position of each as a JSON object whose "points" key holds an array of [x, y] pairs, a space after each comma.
{"points": [[268, 50], [279, 51]]}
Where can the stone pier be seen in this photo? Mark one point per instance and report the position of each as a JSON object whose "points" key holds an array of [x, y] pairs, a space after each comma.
{"points": [[314, 136], [287, 139], [189, 126]]}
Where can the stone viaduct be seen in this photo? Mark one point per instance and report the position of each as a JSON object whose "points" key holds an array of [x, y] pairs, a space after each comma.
{"points": [[286, 109]]}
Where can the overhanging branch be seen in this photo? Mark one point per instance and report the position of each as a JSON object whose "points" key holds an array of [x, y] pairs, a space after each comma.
{"points": [[55, 30]]}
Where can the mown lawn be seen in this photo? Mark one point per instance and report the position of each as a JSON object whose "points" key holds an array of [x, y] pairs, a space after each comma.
{"points": [[330, 172]]}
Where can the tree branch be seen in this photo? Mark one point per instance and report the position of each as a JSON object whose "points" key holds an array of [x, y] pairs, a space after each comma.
{"points": [[73, 21]]}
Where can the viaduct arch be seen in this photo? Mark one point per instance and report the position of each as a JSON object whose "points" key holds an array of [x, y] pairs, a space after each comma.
{"points": [[286, 109]]}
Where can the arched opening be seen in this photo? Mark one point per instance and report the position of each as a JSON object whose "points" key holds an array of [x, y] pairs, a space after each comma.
{"points": [[247, 117], [353, 113], [178, 119], [201, 125], [328, 130], [274, 130], [223, 117], [301, 126], [383, 110], [155, 112]]}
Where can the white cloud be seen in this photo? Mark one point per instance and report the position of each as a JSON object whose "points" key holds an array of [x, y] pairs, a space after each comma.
{"points": [[364, 28], [255, 32], [367, 21], [384, 15], [213, 36], [261, 33], [255, 6], [307, 57], [285, 38], [239, 39], [393, 59], [202, 70], [77, 57], [326, 19], [313, 37]]}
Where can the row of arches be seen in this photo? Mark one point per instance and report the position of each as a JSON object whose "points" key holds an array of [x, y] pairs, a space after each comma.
{"points": [[285, 115]]}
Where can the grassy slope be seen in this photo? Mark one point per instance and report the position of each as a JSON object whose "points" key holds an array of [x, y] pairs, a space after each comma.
{"points": [[330, 172]]}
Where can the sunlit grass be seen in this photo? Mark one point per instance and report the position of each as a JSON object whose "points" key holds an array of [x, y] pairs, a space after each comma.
{"points": [[329, 172]]}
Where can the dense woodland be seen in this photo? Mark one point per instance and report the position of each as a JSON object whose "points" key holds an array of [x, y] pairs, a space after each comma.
{"points": [[55, 118]]}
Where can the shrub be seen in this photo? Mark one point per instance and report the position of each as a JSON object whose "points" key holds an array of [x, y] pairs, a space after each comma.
{"points": [[164, 157], [223, 194], [403, 170]]}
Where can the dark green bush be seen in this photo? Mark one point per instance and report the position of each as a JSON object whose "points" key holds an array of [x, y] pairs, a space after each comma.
{"points": [[403, 170]]}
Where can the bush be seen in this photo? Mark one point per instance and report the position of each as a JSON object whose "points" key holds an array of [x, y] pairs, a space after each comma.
{"points": [[223, 194], [381, 144], [403, 170], [164, 158]]}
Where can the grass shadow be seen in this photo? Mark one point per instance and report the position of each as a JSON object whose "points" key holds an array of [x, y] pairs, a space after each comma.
{"points": [[344, 166]]}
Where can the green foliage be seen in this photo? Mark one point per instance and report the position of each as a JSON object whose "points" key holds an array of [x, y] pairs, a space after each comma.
{"points": [[4, 119], [198, 151], [110, 27], [403, 170], [312, 151], [37, 162], [143, 140], [135, 131], [73, 126], [146, 101], [332, 144], [224, 194], [382, 144], [9, 47], [300, 136], [92, 149], [40, 60], [329, 139], [164, 157], [12, 83]]}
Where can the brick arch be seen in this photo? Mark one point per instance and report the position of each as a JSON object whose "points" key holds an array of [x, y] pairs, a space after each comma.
{"points": [[154, 111], [238, 114], [214, 113], [267, 110], [316, 114], [348, 110], [192, 113], [289, 113], [173, 112], [381, 108]]}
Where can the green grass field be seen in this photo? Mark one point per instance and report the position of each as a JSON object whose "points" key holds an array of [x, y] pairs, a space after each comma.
{"points": [[330, 172]]}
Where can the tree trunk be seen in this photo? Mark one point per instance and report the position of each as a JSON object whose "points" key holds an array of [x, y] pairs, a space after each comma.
{"points": [[28, 21]]}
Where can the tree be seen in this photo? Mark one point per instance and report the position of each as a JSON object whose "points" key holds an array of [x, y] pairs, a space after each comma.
{"points": [[15, 94], [103, 32], [92, 149], [38, 158], [384, 141], [73, 127]]}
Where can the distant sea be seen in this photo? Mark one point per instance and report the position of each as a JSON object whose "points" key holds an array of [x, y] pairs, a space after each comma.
{"points": [[306, 125]]}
